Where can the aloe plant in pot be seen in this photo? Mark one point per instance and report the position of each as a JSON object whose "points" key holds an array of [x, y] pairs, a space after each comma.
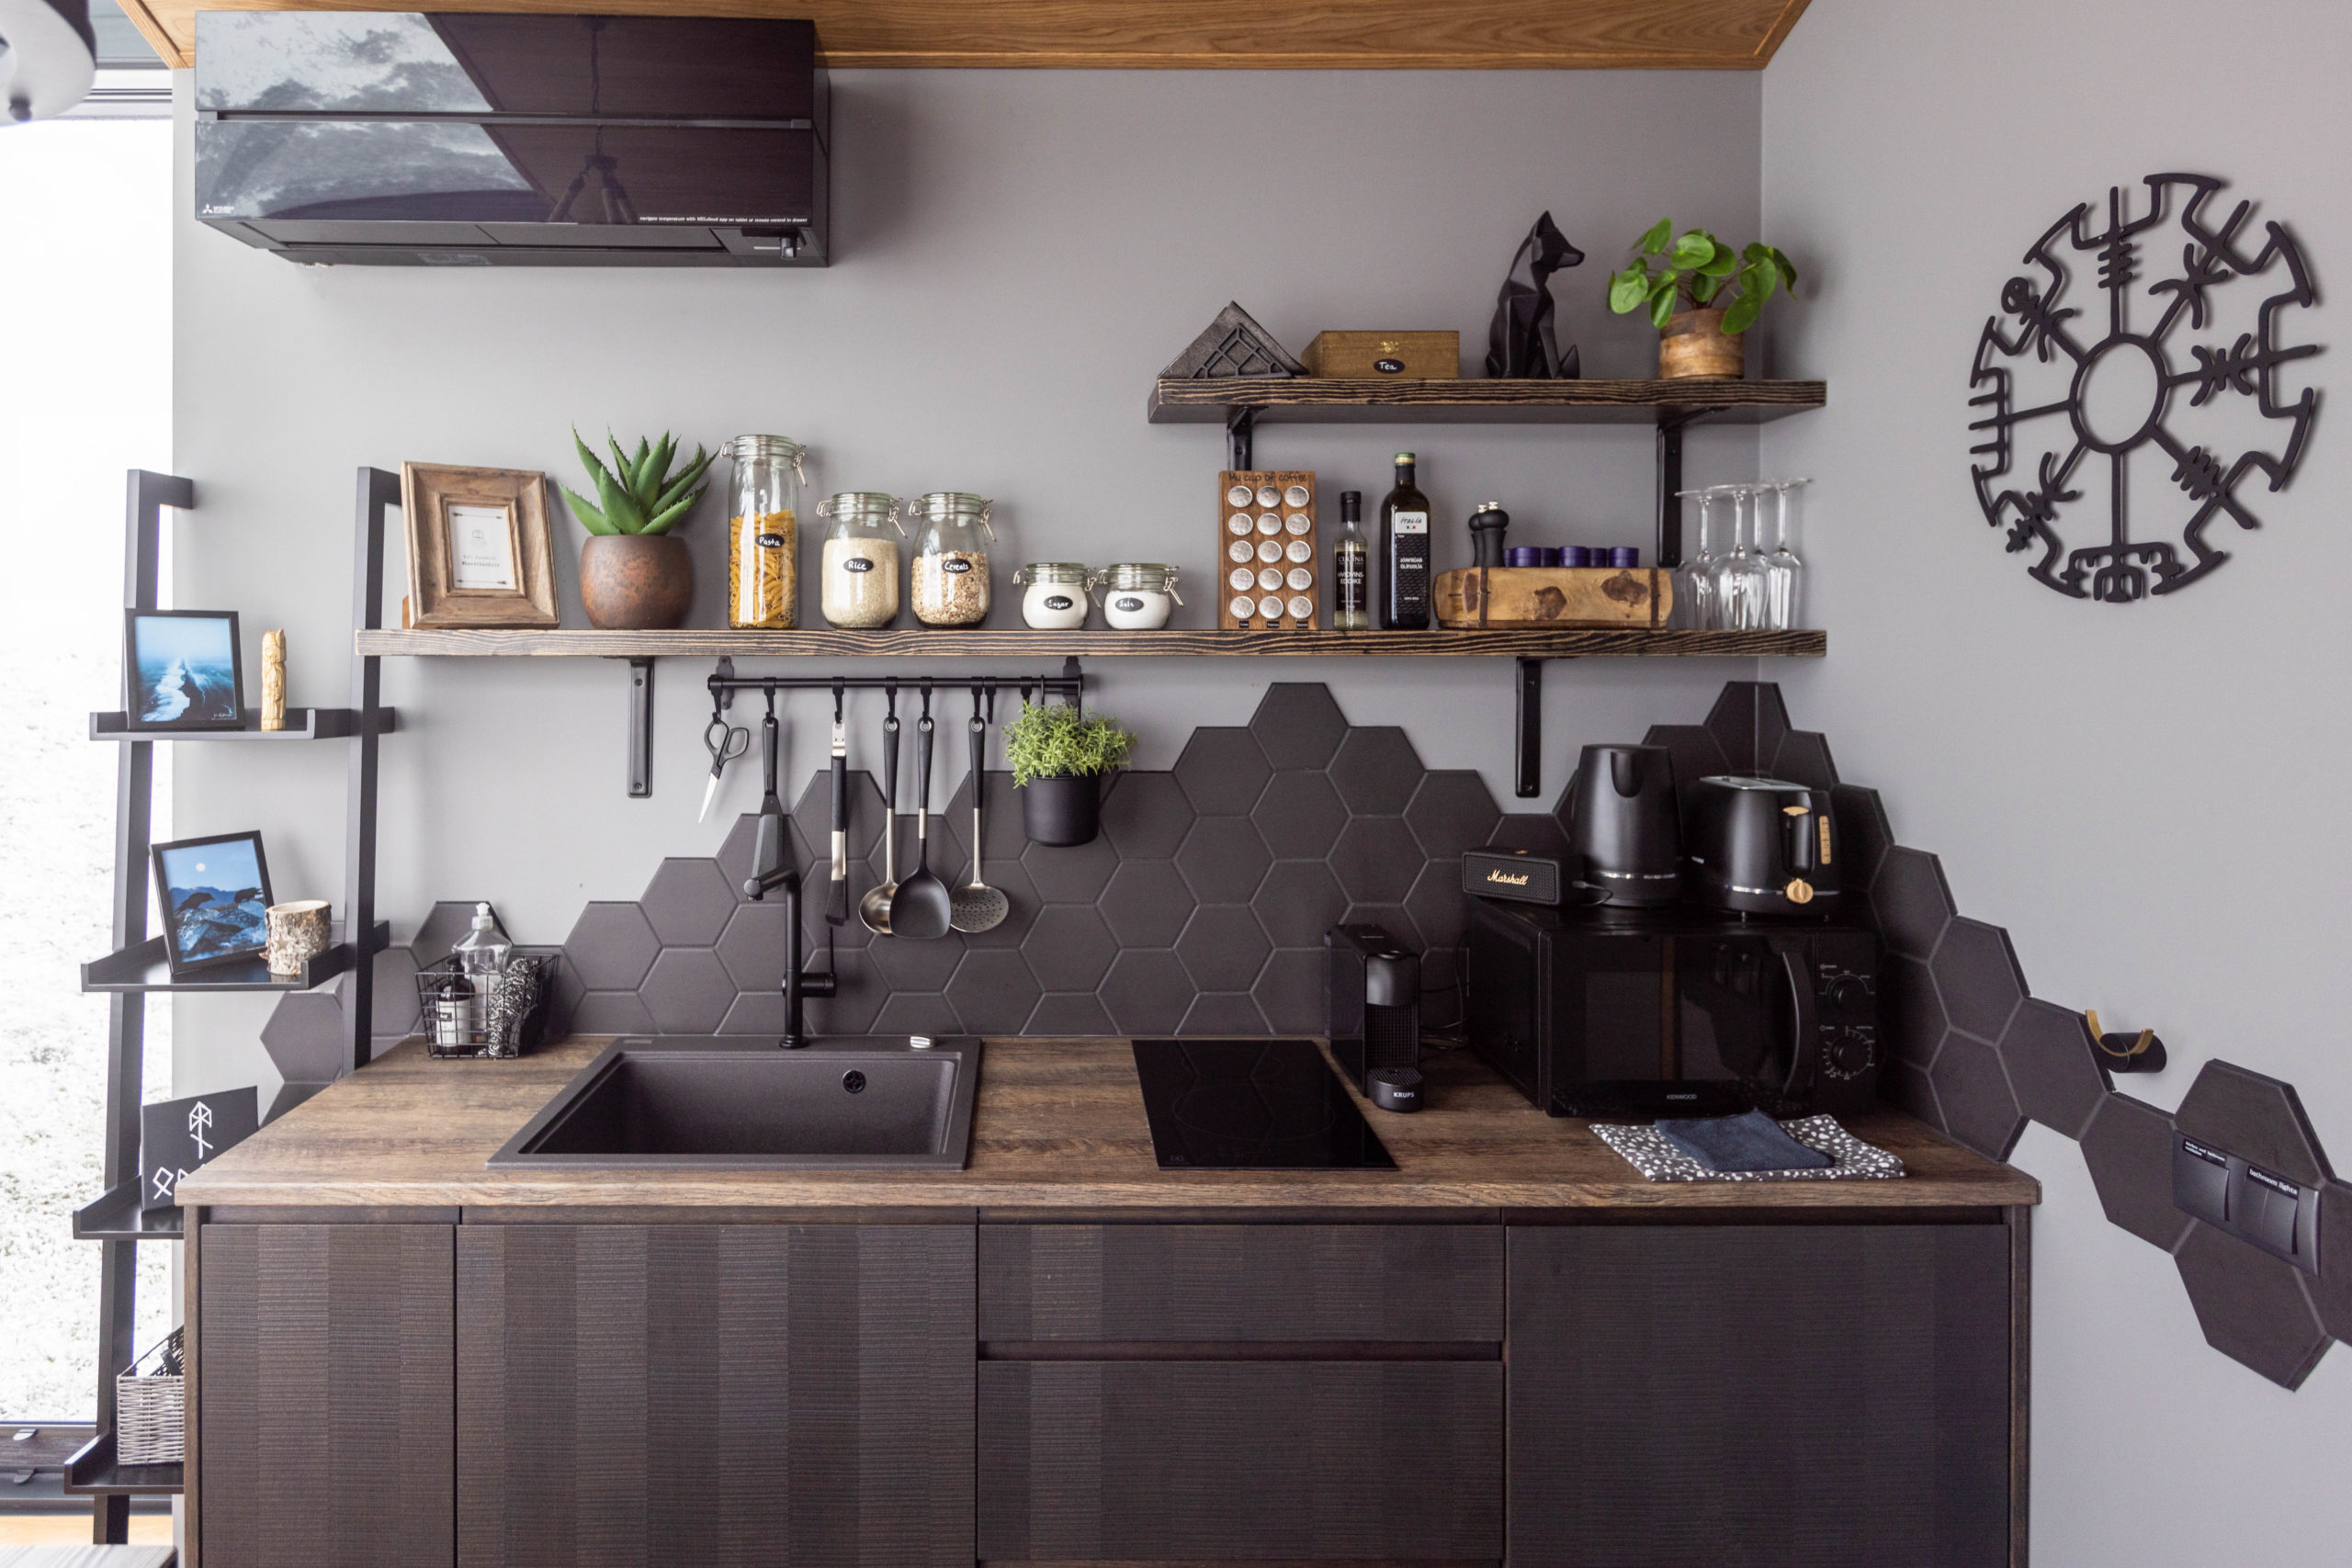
{"points": [[1681, 283], [1060, 759], [634, 574]]}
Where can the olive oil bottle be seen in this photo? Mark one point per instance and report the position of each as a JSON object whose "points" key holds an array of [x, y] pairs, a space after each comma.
{"points": [[1351, 569], [1405, 554]]}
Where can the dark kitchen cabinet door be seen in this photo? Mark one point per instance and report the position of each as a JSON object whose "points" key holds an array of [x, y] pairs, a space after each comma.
{"points": [[1264, 1461], [793, 1396], [325, 1356], [1760, 1397]]}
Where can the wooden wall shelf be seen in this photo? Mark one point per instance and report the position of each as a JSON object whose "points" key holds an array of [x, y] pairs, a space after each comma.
{"points": [[1346, 401], [1642, 35], [1608, 642]]}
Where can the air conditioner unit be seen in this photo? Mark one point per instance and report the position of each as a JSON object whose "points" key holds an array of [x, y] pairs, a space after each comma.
{"points": [[407, 139]]}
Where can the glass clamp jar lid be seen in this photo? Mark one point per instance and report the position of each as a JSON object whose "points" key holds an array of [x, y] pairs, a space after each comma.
{"points": [[1137, 595], [1056, 593], [955, 506], [871, 507]]}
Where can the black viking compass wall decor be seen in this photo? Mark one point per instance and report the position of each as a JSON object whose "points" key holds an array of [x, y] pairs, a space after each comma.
{"points": [[2171, 383]]}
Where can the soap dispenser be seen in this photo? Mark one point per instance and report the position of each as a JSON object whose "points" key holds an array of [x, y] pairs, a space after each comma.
{"points": [[481, 955]]}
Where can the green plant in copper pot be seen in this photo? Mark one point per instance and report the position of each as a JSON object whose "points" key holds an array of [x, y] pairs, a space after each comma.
{"points": [[634, 576], [1060, 759], [1682, 281]]}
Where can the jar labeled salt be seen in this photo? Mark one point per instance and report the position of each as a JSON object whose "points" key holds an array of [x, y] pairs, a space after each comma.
{"points": [[1137, 595]]}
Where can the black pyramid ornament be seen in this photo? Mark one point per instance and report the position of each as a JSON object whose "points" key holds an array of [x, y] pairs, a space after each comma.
{"points": [[1521, 344], [1233, 345]]}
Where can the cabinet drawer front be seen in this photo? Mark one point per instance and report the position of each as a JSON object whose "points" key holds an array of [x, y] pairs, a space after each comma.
{"points": [[322, 1421], [1834, 1396], [1158, 1460], [1241, 1282], [715, 1396]]}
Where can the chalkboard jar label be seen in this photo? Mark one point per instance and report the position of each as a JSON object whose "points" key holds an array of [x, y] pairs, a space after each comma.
{"points": [[857, 563], [954, 566], [1129, 603], [770, 541], [1059, 601]]}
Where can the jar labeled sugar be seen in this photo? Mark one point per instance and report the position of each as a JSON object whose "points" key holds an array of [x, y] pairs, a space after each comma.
{"points": [[1054, 596], [1137, 595]]}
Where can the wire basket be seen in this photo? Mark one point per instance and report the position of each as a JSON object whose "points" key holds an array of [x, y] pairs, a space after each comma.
{"points": [[151, 1410], [506, 1021]]}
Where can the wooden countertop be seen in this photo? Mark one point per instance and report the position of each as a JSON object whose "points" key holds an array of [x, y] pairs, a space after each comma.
{"points": [[1058, 1126]]}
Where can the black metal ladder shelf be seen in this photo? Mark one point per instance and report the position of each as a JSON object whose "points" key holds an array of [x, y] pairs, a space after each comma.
{"points": [[137, 966]]}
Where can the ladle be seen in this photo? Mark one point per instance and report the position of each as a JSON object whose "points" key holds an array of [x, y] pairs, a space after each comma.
{"points": [[922, 908], [874, 909]]}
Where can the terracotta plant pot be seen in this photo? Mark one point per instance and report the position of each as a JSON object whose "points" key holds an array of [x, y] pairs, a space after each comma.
{"points": [[1062, 812], [635, 583], [1693, 346]]}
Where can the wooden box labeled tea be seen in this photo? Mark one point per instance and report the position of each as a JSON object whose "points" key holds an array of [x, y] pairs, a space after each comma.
{"points": [[1404, 356]]}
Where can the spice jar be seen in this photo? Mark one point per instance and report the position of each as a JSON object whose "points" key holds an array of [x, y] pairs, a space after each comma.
{"points": [[763, 533], [857, 583], [1137, 594], [1055, 600], [951, 559]]}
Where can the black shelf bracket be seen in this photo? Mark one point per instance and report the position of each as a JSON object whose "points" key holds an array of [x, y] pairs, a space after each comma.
{"points": [[378, 491], [1241, 425], [641, 728], [1671, 423], [1527, 752]]}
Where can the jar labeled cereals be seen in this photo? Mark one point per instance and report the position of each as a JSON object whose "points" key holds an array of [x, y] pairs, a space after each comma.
{"points": [[857, 583], [951, 559], [763, 533]]}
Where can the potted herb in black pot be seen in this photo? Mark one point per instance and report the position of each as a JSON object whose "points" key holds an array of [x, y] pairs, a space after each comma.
{"points": [[1059, 758]]}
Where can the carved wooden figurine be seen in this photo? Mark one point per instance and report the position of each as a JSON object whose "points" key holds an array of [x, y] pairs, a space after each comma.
{"points": [[273, 679]]}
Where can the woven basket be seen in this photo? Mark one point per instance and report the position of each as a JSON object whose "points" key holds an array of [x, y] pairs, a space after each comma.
{"points": [[150, 1412]]}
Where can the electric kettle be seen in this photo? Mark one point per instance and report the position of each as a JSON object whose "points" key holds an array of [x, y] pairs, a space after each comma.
{"points": [[1623, 826], [1761, 846]]}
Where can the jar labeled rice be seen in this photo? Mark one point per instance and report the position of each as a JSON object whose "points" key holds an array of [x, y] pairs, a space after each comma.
{"points": [[857, 584]]}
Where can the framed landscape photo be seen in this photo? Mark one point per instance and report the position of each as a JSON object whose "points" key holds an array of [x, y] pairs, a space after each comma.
{"points": [[182, 670], [215, 894], [479, 550]]}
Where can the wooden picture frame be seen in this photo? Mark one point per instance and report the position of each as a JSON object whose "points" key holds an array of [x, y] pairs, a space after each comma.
{"points": [[479, 547]]}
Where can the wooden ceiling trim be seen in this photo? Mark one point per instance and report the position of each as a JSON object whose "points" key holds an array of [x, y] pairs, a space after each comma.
{"points": [[1522, 35]]}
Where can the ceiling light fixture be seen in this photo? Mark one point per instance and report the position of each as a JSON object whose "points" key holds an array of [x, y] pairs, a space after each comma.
{"points": [[48, 57]]}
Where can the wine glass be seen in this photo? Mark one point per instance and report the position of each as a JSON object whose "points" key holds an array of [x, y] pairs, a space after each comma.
{"points": [[1784, 572], [1739, 572], [1694, 585]]}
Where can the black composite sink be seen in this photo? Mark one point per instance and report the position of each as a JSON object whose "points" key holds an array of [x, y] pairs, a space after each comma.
{"points": [[704, 1103]]}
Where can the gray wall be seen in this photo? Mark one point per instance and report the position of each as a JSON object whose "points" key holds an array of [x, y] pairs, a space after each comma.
{"points": [[1019, 253], [2127, 789]]}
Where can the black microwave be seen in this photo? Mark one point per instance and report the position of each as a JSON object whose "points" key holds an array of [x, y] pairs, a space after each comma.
{"points": [[1640, 1013]]}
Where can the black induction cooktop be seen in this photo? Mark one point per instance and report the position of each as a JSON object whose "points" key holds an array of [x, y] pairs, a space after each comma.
{"points": [[1251, 1104]]}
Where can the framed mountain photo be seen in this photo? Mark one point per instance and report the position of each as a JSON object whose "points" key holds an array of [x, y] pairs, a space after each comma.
{"points": [[215, 894], [182, 670]]}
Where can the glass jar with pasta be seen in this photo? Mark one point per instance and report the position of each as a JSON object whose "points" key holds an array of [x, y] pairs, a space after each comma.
{"points": [[951, 559], [763, 533]]}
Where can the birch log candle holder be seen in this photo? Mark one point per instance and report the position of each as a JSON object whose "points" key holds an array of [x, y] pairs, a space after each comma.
{"points": [[273, 681], [298, 933]]}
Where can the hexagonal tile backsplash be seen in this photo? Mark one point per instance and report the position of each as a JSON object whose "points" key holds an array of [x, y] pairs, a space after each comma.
{"points": [[1201, 909]]}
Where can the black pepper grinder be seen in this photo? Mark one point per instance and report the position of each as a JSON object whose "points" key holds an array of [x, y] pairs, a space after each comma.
{"points": [[1486, 526]]}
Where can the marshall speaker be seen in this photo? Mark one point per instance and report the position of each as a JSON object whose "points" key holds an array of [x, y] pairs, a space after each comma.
{"points": [[1373, 991], [1513, 874]]}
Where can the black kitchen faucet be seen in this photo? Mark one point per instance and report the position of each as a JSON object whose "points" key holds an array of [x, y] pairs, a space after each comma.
{"points": [[797, 986]]}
